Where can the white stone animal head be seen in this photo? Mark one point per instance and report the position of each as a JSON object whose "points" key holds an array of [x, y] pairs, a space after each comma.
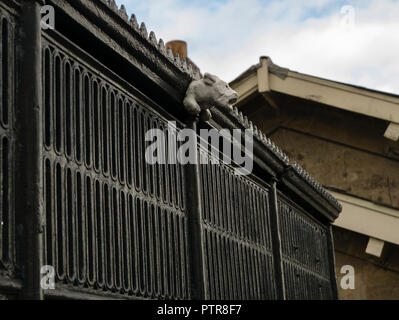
{"points": [[221, 93], [206, 93]]}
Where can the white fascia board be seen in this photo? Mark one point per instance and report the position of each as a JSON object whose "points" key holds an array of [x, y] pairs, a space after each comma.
{"points": [[362, 101], [246, 87], [368, 218], [339, 95]]}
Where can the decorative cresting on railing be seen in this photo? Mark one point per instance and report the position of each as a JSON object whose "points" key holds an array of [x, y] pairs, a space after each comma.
{"points": [[7, 79], [151, 38], [108, 222]]}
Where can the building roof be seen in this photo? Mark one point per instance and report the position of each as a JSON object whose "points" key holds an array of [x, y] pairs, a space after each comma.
{"points": [[268, 77]]}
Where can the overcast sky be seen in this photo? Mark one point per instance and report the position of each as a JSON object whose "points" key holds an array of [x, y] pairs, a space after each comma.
{"points": [[354, 41]]}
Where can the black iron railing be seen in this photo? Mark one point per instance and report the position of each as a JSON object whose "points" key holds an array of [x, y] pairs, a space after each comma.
{"points": [[114, 222], [107, 221], [7, 81], [238, 256]]}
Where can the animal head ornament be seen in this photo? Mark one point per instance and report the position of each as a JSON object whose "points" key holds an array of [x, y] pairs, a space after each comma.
{"points": [[207, 93]]}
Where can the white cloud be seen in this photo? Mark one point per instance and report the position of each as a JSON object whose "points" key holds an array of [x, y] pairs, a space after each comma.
{"points": [[226, 37]]}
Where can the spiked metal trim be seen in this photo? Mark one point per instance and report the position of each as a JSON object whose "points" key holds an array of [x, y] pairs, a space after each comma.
{"points": [[151, 38], [316, 185]]}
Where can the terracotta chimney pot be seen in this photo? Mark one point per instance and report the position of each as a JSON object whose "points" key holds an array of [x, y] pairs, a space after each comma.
{"points": [[179, 47]]}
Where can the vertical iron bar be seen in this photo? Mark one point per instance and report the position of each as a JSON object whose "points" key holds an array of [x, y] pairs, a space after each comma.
{"points": [[276, 242], [331, 262], [29, 150], [194, 215]]}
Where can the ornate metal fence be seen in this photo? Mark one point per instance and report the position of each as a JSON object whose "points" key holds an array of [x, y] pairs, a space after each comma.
{"points": [[238, 257], [304, 254], [113, 221], [110, 223]]}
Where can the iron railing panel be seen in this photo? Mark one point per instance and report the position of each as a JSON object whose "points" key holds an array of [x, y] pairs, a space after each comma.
{"points": [[238, 258], [114, 222], [305, 254], [117, 224]]}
